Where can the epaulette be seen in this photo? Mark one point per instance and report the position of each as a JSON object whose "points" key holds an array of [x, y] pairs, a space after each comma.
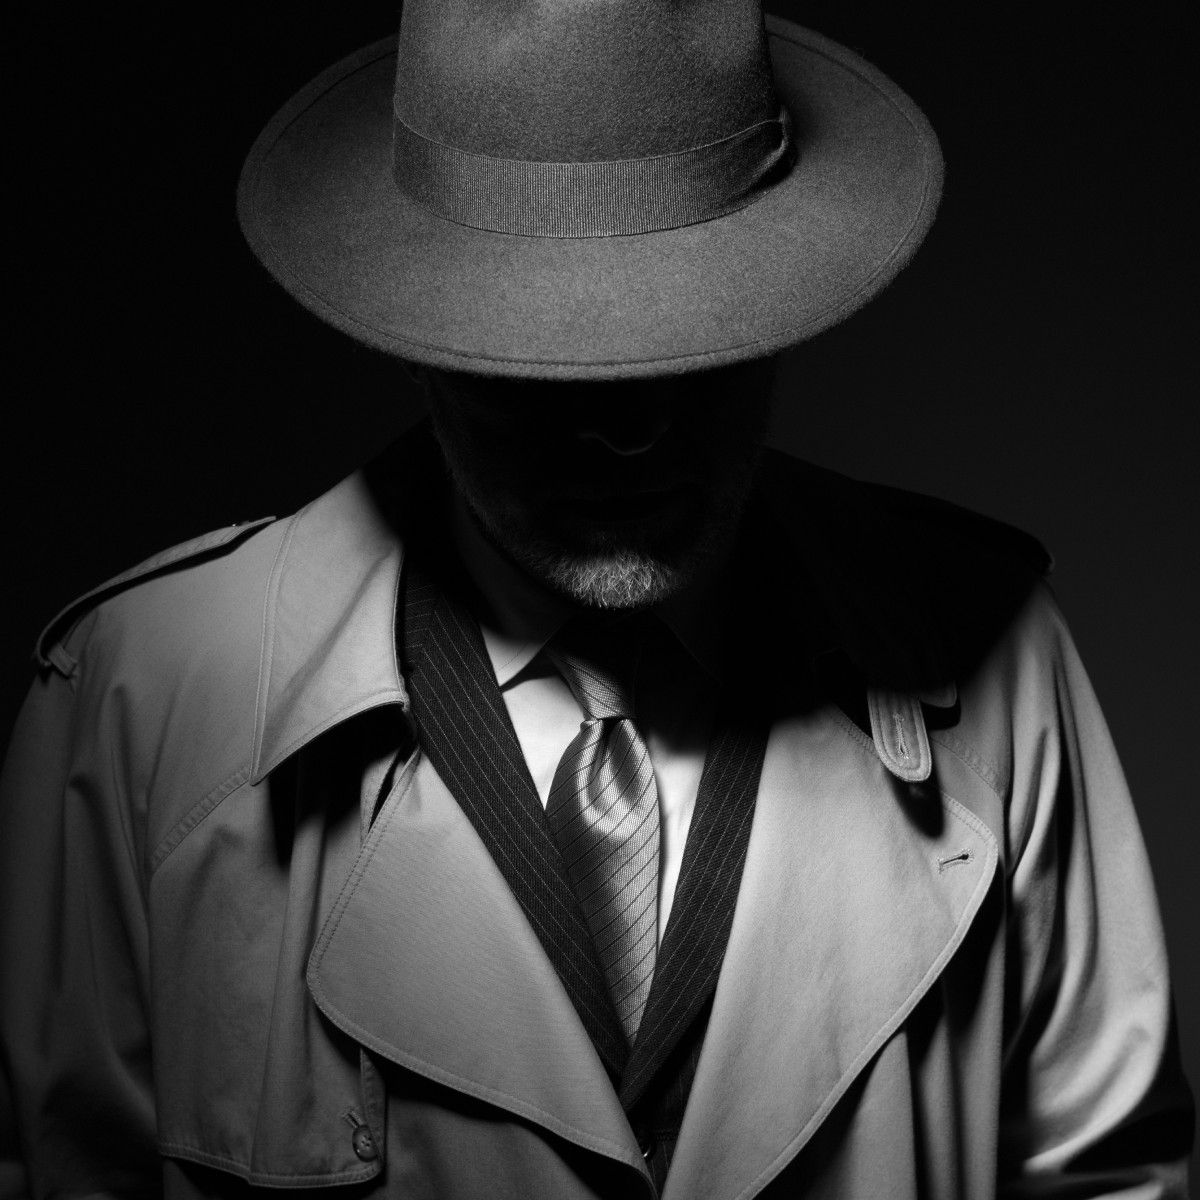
{"points": [[50, 650]]}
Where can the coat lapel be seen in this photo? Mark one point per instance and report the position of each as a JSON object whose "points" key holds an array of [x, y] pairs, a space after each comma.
{"points": [[856, 891], [427, 959]]}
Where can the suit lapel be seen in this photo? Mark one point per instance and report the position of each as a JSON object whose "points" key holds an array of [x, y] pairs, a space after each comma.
{"points": [[465, 730], [847, 913], [427, 960], [696, 935]]}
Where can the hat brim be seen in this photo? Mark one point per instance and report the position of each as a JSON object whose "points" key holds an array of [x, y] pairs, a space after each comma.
{"points": [[319, 207]]}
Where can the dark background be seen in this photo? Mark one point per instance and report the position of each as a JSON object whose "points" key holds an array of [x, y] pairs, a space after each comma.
{"points": [[1034, 363]]}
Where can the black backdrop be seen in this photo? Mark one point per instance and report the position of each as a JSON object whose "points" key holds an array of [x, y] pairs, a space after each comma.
{"points": [[1033, 363]]}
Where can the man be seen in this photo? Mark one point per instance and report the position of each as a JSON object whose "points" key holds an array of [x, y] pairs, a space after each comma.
{"points": [[580, 801]]}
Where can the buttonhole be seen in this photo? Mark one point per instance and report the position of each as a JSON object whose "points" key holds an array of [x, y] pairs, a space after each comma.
{"points": [[901, 744], [953, 860]]}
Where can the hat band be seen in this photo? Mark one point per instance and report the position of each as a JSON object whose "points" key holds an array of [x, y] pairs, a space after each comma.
{"points": [[592, 199]]}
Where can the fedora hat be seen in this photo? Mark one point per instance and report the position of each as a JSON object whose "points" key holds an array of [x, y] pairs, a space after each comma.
{"points": [[590, 188]]}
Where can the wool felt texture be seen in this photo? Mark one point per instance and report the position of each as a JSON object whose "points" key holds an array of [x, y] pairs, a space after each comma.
{"points": [[320, 207], [589, 80]]}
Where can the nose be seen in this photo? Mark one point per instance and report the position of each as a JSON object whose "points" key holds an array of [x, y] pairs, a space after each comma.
{"points": [[627, 431]]}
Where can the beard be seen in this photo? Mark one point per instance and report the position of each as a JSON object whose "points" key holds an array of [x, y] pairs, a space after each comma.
{"points": [[610, 574], [619, 580]]}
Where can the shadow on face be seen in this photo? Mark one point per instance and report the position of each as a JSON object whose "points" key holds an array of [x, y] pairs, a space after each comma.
{"points": [[651, 468], [568, 437]]}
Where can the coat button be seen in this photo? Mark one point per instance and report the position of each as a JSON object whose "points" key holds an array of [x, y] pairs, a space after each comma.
{"points": [[364, 1144], [647, 1145]]}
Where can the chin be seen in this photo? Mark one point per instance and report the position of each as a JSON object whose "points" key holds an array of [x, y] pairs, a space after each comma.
{"points": [[615, 566], [621, 581], [633, 567]]}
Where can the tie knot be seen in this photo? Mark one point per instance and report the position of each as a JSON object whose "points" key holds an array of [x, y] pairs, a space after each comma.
{"points": [[599, 660]]}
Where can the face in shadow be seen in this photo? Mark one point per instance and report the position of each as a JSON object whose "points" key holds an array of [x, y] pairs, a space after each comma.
{"points": [[613, 494]]}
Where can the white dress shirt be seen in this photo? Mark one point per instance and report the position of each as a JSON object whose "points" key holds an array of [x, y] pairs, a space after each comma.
{"points": [[676, 689]]}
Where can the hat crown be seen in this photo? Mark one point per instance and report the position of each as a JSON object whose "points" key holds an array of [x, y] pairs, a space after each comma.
{"points": [[582, 80]]}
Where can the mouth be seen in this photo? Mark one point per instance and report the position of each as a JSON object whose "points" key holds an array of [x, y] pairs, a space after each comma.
{"points": [[651, 507]]}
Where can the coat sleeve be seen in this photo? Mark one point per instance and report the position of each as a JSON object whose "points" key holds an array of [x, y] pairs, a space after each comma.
{"points": [[1094, 1100], [75, 1081]]}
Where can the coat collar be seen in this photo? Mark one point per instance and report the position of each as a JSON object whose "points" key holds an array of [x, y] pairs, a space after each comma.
{"points": [[912, 590], [328, 645], [883, 577]]}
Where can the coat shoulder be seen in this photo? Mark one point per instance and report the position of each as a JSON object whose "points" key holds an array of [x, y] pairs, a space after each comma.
{"points": [[58, 642], [162, 667], [953, 528], [917, 588], [874, 510]]}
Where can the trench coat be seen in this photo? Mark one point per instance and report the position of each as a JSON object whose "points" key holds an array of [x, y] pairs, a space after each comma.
{"points": [[251, 941]]}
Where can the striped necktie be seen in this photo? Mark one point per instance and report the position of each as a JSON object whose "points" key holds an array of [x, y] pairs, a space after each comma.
{"points": [[603, 810]]}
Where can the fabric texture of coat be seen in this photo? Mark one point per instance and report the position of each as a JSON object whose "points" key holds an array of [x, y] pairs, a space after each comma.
{"points": [[250, 939]]}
